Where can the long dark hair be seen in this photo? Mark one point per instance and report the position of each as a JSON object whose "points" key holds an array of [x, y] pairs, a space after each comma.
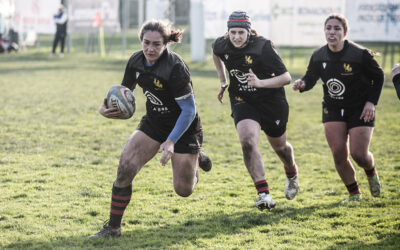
{"points": [[340, 18], [165, 29]]}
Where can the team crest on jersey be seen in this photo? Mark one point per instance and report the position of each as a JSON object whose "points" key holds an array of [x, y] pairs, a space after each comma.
{"points": [[324, 65], [277, 122], [335, 88], [347, 67], [238, 99], [153, 99], [326, 111], [248, 60], [226, 56], [242, 79], [158, 84], [240, 76]]}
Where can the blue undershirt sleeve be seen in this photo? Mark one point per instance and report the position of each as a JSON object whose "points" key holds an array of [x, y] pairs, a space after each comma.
{"points": [[186, 117]]}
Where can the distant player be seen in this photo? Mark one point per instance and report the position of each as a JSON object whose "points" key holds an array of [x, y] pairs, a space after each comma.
{"points": [[396, 78], [257, 76], [171, 125], [353, 82], [61, 20]]}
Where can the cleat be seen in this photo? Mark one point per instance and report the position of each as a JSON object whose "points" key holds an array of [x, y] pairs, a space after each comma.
{"points": [[107, 231], [264, 201], [204, 162], [374, 185], [291, 187], [352, 198]]}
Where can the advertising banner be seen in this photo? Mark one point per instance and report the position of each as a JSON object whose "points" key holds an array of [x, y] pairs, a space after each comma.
{"points": [[35, 15], [285, 22], [374, 20], [86, 16], [301, 22], [216, 15]]}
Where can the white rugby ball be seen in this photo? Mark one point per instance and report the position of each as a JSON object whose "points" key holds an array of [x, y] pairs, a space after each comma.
{"points": [[122, 98]]}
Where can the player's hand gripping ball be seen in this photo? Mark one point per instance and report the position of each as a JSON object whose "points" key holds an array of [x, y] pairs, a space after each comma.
{"points": [[122, 98]]}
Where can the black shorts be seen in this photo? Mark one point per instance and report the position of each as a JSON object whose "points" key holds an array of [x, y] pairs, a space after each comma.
{"points": [[272, 115], [351, 116], [189, 143]]}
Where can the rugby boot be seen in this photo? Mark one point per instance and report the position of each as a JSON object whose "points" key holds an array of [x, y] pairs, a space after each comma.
{"points": [[374, 185], [264, 201], [291, 187], [107, 231], [352, 197], [204, 162]]}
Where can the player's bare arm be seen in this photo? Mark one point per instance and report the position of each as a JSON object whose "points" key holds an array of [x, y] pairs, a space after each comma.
{"points": [[221, 75], [274, 82]]}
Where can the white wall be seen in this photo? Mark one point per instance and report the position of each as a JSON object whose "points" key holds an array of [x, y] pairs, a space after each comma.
{"points": [[36, 15], [372, 20], [82, 12], [156, 9]]}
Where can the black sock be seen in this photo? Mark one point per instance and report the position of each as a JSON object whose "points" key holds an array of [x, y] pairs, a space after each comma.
{"points": [[291, 173], [353, 188], [262, 186], [370, 172]]}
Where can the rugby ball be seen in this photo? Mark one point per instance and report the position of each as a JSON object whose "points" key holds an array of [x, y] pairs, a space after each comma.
{"points": [[122, 98]]}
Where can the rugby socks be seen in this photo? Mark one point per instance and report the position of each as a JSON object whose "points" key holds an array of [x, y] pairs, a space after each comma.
{"points": [[119, 200], [370, 172], [290, 173], [262, 186], [353, 188]]}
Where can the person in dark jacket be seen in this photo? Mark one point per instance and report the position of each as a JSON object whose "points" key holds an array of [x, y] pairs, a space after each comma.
{"points": [[61, 20], [352, 84]]}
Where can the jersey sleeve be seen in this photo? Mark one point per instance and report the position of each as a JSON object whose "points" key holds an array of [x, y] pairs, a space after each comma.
{"points": [[180, 82], [374, 72], [311, 77], [271, 60], [129, 79], [218, 46], [396, 83]]}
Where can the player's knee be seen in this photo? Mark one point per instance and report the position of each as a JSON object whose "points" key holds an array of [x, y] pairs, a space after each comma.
{"points": [[183, 189], [339, 156], [126, 171], [283, 149], [247, 144], [360, 158]]}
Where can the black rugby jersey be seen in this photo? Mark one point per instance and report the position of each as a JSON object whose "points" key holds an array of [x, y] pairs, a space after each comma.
{"points": [[350, 77], [162, 83], [259, 55], [396, 83], [396, 79]]}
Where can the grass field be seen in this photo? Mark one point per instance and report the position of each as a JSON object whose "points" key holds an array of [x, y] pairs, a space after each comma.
{"points": [[58, 159]]}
